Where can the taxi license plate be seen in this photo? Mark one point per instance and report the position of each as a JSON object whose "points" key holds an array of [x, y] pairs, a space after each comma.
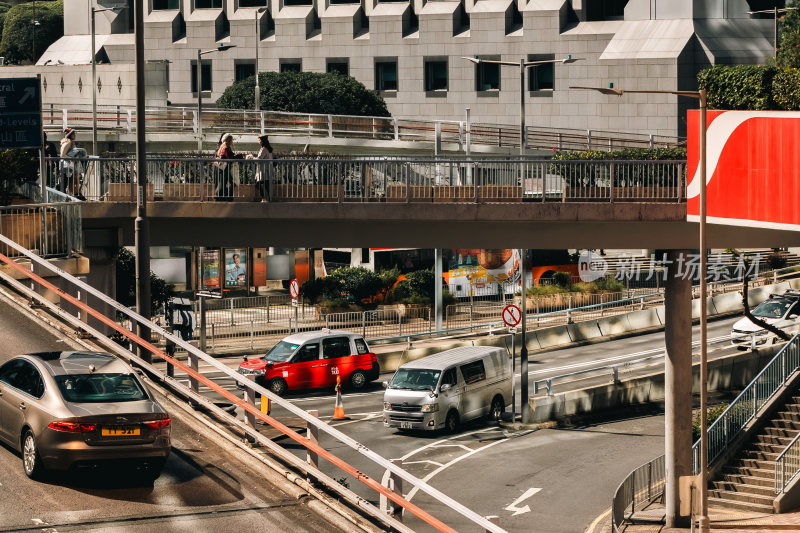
{"points": [[120, 431], [406, 425]]}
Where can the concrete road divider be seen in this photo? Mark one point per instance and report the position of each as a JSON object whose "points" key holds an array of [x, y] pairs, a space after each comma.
{"points": [[614, 325], [728, 303], [710, 309], [759, 294], [550, 337], [584, 331], [644, 319]]}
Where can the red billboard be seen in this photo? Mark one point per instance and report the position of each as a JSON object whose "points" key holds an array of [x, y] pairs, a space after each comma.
{"points": [[752, 168]]}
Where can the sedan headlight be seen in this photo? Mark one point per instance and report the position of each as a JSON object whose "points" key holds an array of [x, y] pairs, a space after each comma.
{"points": [[387, 406], [430, 407]]}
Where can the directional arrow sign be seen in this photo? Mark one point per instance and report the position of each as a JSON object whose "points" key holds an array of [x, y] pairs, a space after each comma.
{"points": [[20, 113], [514, 507]]}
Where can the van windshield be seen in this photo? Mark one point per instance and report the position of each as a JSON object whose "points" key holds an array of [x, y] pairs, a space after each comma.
{"points": [[281, 352], [415, 379], [772, 309]]}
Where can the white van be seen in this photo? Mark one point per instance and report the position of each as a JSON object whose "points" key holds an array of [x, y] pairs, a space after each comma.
{"points": [[448, 388]]}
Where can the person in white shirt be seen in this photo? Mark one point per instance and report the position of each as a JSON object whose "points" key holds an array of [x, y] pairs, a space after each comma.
{"points": [[263, 177]]}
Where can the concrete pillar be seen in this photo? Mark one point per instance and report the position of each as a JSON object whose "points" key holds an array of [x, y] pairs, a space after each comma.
{"points": [[678, 387], [101, 247]]}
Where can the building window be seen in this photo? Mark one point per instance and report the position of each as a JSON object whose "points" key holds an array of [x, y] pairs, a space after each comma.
{"points": [[291, 65], [605, 9], [160, 5], [244, 69], [435, 75], [338, 65], [252, 3], [208, 4], [487, 77], [541, 77], [205, 67], [386, 75], [298, 2]]}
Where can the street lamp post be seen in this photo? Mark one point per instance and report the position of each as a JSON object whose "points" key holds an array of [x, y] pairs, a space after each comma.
{"points": [[93, 12], [774, 12], [702, 96], [200, 54], [523, 352], [258, 41], [523, 67]]}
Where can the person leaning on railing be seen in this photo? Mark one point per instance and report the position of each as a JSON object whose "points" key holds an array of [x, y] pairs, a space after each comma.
{"points": [[263, 176], [71, 170], [224, 190]]}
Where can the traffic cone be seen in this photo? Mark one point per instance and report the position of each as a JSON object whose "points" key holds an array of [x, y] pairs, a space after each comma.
{"points": [[338, 410]]}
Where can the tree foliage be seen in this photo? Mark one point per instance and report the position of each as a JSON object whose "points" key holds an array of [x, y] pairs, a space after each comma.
{"points": [[789, 43], [16, 167], [16, 44], [305, 92], [627, 154], [160, 291], [738, 87]]}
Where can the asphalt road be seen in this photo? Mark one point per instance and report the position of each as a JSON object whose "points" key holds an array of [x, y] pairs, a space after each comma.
{"points": [[204, 487], [569, 474]]}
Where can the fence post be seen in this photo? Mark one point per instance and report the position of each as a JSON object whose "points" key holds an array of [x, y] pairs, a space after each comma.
{"points": [[261, 113], [633, 492], [213, 336], [611, 170], [129, 121], [312, 434], [51, 114], [649, 480], [549, 384], [118, 115], [396, 485], [63, 119], [252, 334], [588, 139], [330, 126], [267, 309], [363, 323], [460, 135], [233, 322], [202, 324], [250, 397], [569, 310], [396, 129]]}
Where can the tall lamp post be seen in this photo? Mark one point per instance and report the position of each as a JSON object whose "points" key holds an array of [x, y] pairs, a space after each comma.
{"points": [[774, 12], [258, 41], [523, 68], [93, 12], [200, 54], [702, 97]]}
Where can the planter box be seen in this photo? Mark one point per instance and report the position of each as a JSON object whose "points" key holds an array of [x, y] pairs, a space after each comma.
{"points": [[453, 193], [417, 193], [26, 230], [121, 192], [188, 192], [305, 193], [244, 193], [499, 193]]}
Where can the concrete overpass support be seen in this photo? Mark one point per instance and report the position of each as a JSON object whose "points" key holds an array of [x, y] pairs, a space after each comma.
{"points": [[678, 386], [101, 247]]}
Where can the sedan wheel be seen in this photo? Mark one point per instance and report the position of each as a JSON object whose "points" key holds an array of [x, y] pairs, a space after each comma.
{"points": [[31, 462]]}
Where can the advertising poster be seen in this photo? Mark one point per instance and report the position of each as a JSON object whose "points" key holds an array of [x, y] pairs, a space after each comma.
{"points": [[209, 266], [235, 267]]}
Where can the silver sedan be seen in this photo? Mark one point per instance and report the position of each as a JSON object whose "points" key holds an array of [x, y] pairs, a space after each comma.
{"points": [[65, 410]]}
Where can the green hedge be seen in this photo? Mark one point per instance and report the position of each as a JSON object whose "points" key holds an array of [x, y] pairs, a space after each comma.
{"points": [[624, 175], [305, 92], [786, 89], [627, 154], [16, 44], [738, 87]]}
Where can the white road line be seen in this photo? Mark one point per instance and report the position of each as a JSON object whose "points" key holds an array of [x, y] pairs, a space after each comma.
{"points": [[453, 446], [421, 462]]}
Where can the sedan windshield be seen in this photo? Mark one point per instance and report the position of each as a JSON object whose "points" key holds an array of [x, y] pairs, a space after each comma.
{"points": [[100, 388], [415, 379], [772, 309], [281, 352]]}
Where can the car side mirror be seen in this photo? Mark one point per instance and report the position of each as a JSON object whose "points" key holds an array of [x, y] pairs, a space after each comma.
{"points": [[793, 315], [385, 384], [445, 387], [270, 364]]}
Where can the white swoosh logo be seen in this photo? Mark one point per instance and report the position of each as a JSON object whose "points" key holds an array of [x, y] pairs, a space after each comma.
{"points": [[717, 137]]}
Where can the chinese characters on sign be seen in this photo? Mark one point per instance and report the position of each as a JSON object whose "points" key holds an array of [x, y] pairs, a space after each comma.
{"points": [[720, 267], [20, 113]]}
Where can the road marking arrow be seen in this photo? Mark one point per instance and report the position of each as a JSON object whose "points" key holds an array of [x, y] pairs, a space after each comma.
{"points": [[519, 510], [30, 92]]}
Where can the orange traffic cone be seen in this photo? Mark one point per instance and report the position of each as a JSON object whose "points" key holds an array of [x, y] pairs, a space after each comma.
{"points": [[338, 410]]}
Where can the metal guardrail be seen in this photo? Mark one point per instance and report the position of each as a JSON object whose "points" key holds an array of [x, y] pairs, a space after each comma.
{"points": [[407, 180], [251, 411], [787, 465], [52, 229], [642, 486], [121, 119], [746, 406]]}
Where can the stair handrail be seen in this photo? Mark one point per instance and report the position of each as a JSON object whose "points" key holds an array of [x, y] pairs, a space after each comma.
{"points": [[749, 402], [792, 450]]}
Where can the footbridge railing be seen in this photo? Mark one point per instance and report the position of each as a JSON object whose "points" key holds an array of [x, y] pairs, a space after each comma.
{"points": [[368, 467]]}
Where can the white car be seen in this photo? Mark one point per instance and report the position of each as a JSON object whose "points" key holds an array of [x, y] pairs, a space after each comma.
{"points": [[780, 310]]}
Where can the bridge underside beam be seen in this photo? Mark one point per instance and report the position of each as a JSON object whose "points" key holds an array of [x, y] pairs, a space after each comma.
{"points": [[528, 225]]}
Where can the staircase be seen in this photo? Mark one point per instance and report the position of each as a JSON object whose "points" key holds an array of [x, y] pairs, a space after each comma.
{"points": [[747, 483]]}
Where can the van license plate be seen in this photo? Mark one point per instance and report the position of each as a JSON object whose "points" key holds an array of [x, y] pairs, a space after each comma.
{"points": [[406, 425]]}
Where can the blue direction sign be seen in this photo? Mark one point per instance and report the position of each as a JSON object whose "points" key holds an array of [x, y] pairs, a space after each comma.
{"points": [[20, 113]]}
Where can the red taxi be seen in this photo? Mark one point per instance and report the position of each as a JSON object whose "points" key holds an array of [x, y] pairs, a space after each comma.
{"points": [[313, 360]]}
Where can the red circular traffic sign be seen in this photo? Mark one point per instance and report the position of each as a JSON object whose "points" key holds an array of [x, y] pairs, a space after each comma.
{"points": [[294, 289], [511, 315]]}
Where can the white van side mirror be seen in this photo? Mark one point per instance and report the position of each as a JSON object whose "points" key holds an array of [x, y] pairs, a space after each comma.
{"points": [[445, 387], [385, 384]]}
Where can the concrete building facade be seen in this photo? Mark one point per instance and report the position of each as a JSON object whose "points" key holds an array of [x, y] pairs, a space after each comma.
{"points": [[412, 51]]}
